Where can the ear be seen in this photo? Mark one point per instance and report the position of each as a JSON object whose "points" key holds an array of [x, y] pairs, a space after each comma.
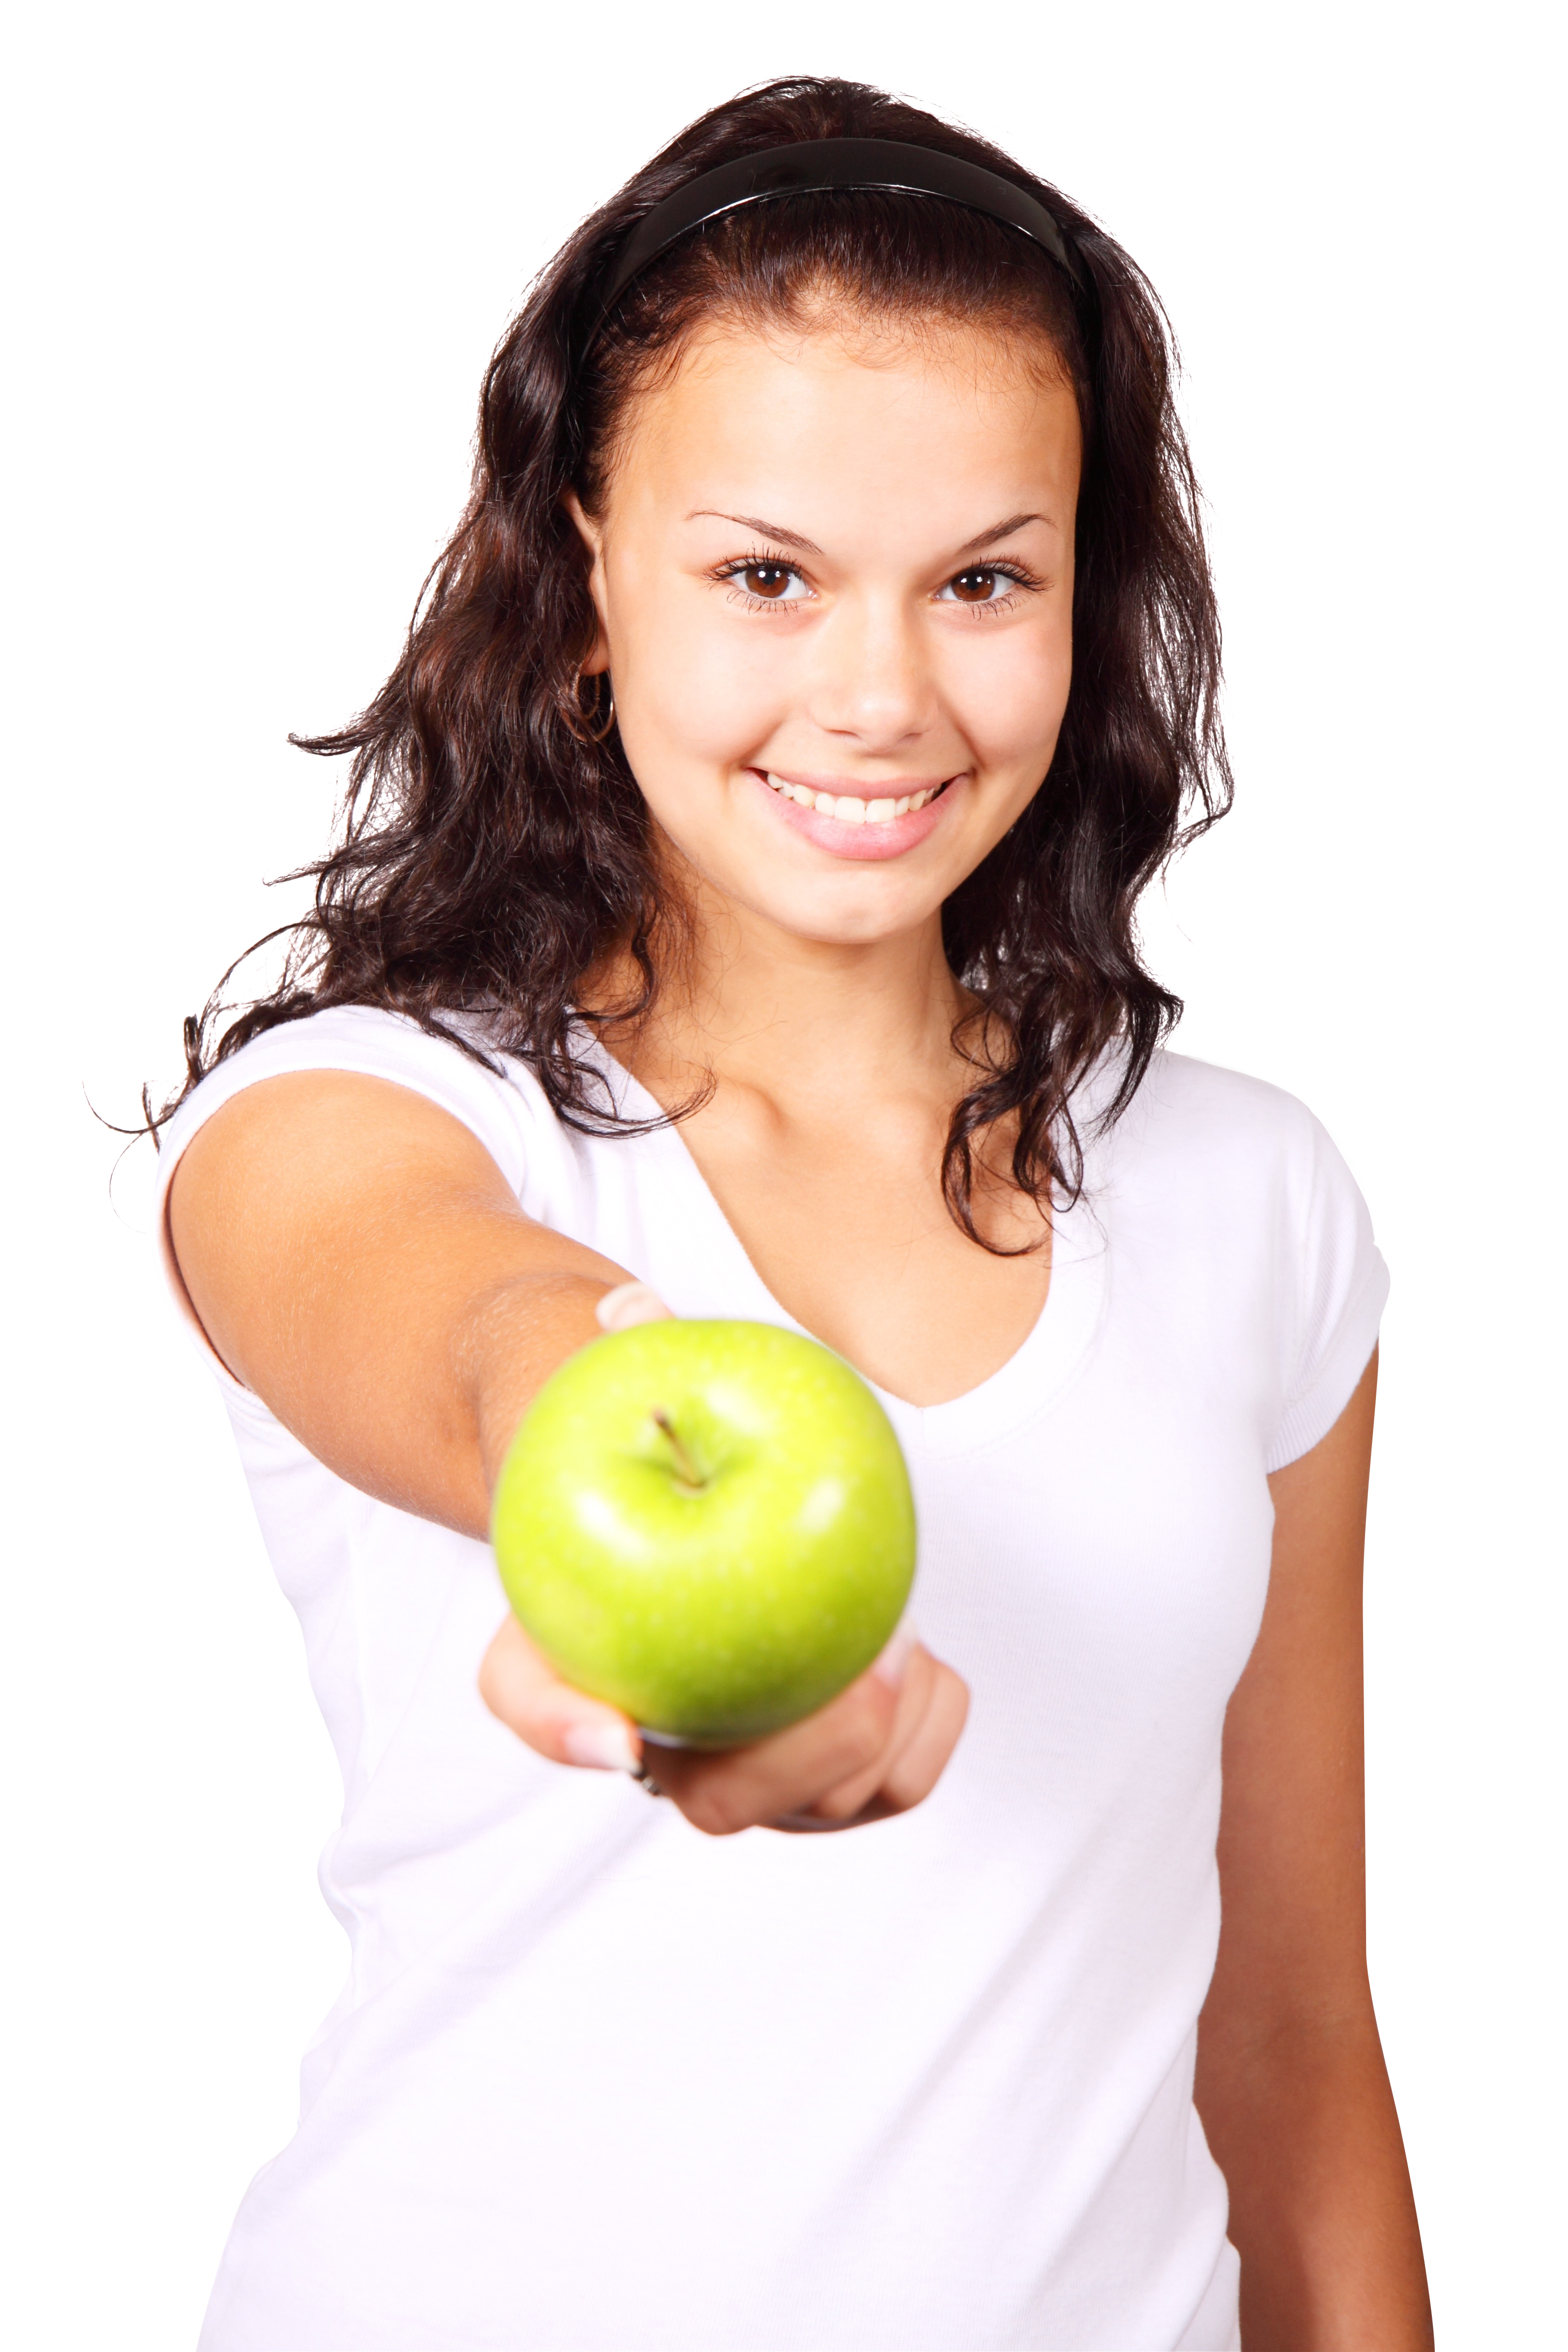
{"points": [[593, 538]]}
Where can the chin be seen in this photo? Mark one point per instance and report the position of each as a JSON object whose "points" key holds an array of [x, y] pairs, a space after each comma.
{"points": [[881, 915]]}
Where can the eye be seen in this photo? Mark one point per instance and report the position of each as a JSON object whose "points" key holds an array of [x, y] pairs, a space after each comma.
{"points": [[981, 583], [770, 583]]}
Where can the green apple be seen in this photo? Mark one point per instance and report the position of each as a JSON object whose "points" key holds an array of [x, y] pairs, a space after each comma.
{"points": [[708, 1525]]}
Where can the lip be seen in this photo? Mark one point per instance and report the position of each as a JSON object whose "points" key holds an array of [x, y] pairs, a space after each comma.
{"points": [[859, 843]]}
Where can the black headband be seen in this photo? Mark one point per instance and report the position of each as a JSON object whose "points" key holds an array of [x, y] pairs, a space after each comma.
{"points": [[813, 166]]}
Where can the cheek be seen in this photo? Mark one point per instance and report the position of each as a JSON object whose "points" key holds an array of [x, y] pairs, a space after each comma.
{"points": [[689, 689], [1009, 692]]}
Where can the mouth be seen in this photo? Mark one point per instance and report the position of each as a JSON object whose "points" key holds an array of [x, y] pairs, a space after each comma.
{"points": [[861, 827], [849, 808]]}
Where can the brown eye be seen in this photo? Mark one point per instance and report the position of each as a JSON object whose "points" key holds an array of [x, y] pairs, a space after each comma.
{"points": [[974, 586], [769, 581]]}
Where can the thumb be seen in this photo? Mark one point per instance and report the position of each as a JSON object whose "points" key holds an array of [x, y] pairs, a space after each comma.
{"points": [[629, 1304], [523, 1690]]}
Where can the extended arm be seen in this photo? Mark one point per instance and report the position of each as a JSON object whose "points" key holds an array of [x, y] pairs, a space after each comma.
{"points": [[356, 1257], [1291, 2084]]}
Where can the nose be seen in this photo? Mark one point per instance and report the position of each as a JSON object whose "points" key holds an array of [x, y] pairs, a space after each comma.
{"points": [[871, 679]]}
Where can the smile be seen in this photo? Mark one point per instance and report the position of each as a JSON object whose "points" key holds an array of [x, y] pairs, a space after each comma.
{"points": [[848, 809]]}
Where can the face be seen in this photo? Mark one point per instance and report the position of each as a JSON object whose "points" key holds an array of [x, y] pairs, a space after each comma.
{"points": [[834, 579]]}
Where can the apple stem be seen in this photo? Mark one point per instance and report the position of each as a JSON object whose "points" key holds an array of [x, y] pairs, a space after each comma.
{"points": [[690, 1473]]}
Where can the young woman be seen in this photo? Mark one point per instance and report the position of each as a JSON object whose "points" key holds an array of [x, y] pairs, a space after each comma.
{"points": [[736, 918]]}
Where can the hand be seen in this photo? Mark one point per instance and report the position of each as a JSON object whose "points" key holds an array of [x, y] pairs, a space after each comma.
{"points": [[876, 1749]]}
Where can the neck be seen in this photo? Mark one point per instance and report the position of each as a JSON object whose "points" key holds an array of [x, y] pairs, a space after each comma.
{"points": [[741, 998]]}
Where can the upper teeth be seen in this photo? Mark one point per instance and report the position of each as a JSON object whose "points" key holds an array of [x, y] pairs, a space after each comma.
{"points": [[849, 810]]}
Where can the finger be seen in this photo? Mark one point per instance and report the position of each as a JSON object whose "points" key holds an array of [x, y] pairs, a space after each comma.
{"points": [[523, 1689], [931, 1718], [916, 1686], [784, 1774], [629, 1304], [891, 1669], [915, 1773]]}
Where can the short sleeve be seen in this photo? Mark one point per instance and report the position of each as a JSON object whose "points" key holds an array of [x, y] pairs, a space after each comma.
{"points": [[1339, 1287], [372, 1043]]}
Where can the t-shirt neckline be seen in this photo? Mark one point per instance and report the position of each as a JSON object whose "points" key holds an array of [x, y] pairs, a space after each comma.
{"points": [[1037, 1375]]}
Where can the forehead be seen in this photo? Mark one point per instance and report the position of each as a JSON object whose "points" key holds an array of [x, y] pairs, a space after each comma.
{"points": [[847, 409]]}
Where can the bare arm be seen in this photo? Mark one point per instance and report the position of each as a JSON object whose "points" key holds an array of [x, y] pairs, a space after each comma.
{"points": [[1291, 2084], [357, 1258]]}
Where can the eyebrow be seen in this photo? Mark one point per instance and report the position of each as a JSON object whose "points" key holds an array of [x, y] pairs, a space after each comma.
{"points": [[808, 546], [764, 530], [999, 530]]}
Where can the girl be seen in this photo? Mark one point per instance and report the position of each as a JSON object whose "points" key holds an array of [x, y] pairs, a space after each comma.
{"points": [[736, 917]]}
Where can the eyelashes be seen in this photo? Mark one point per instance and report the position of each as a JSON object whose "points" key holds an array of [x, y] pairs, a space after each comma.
{"points": [[1003, 568], [772, 560], [760, 559]]}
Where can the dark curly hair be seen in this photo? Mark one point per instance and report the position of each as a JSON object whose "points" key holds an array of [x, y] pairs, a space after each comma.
{"points": [[492, 855]]}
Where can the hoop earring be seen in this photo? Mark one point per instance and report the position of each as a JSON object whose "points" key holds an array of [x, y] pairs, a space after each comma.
{"points": [[589, 727]]}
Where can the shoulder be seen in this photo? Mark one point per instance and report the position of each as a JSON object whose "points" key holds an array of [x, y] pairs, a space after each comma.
{"points": [[1195, 1130], [1197, 1103], [496, 1097], [1238, 1180], [493, 1095], [1194, 1123]]}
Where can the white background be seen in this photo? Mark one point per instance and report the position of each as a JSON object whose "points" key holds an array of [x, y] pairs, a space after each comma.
{"points": [[263, 256]]}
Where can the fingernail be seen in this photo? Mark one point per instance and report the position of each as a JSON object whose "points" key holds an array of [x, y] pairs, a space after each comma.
{"points": [[891, 1666], [606, 1744], [627, 1305]]}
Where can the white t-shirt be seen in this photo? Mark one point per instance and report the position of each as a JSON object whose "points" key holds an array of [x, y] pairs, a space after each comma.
{"points": [[599, 2084]]}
